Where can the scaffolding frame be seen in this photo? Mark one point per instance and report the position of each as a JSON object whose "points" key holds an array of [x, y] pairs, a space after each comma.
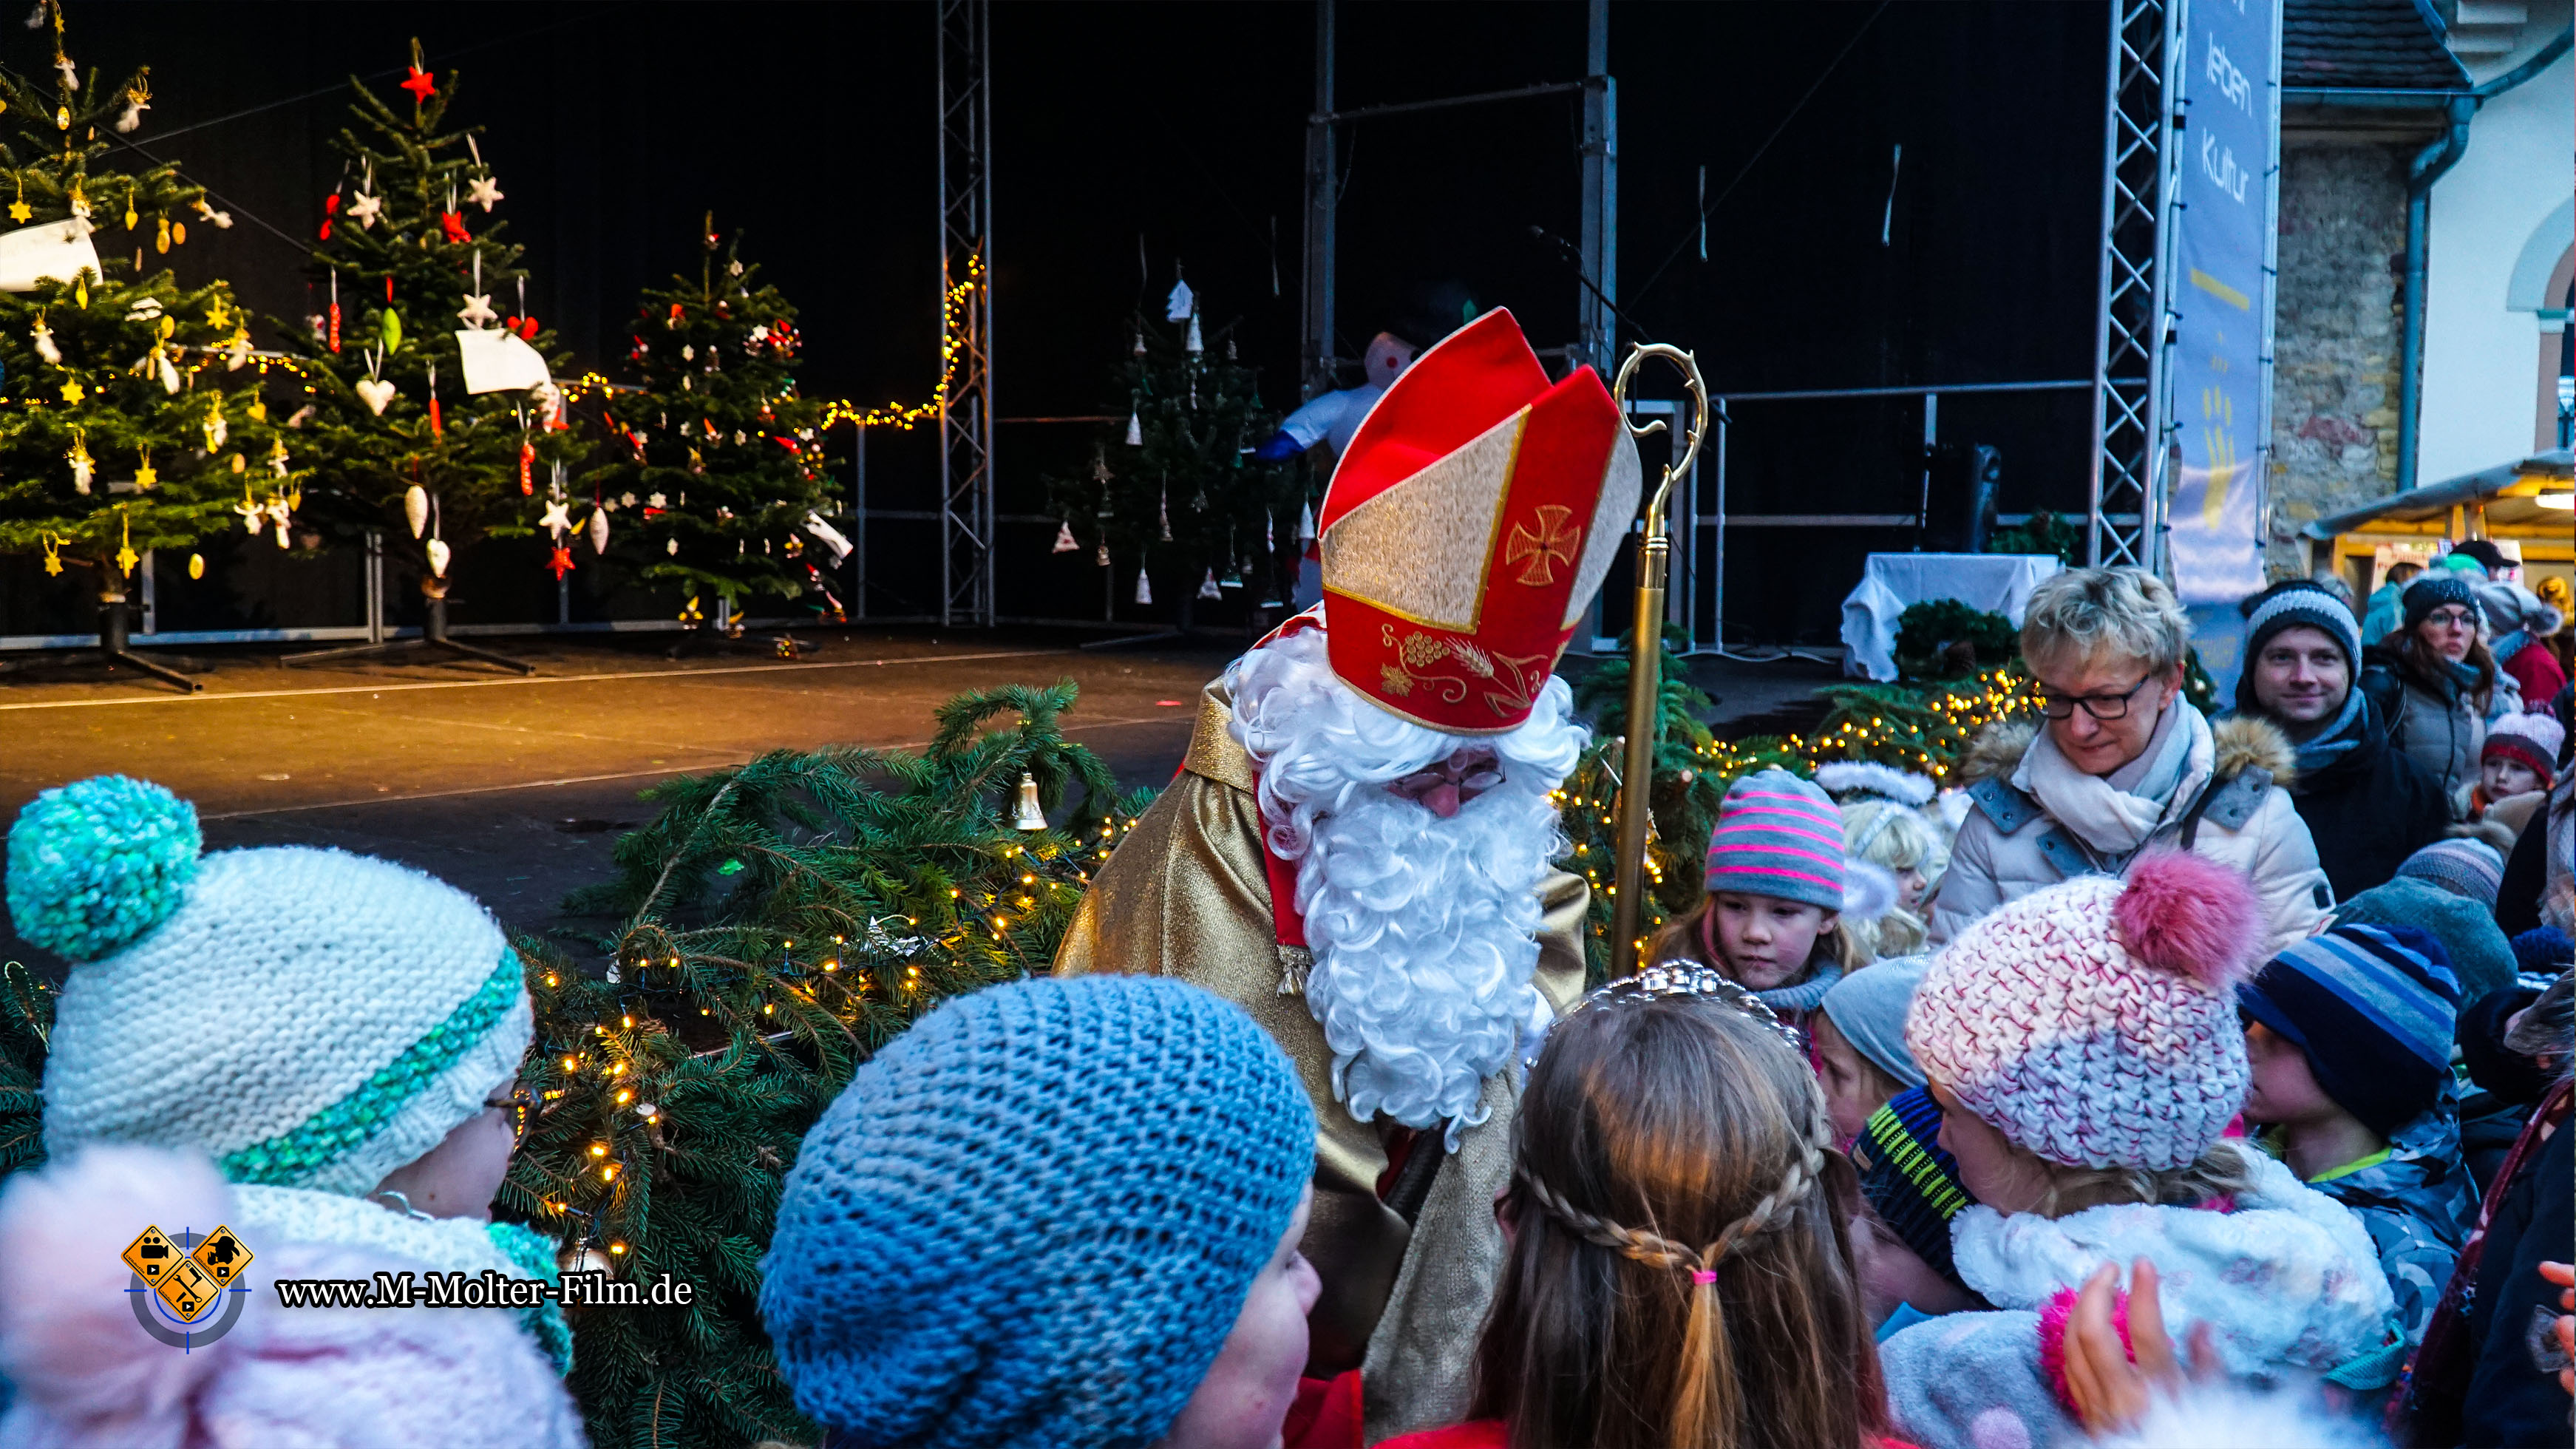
{"points": [[966, 508], [2139, 163], [1596, 255]]}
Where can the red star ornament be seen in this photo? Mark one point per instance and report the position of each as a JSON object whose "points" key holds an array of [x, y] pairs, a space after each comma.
{"points": [[561, 563], [420, 85]]}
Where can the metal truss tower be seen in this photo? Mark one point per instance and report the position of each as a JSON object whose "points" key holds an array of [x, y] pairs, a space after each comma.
{"points": [[966, 329], [2138, 179]]}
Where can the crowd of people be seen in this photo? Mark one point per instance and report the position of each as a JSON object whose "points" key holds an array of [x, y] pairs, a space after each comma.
{"points": [[2167, 1080]]}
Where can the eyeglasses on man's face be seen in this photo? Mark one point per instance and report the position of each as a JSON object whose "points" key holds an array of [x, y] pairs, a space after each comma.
{"points": [[2056, 705]]}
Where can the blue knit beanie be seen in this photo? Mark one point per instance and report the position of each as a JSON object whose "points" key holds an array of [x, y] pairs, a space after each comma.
{"points": [[2472, 945], [1033, 1219], [2374, 1011]]}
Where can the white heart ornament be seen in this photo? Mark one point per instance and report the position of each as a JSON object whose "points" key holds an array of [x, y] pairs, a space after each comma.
{"points": [[438, 558], [377, 394]]}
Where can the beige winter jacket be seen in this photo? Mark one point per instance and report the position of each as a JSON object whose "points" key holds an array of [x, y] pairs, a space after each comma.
{"points": [[2230, 804]]}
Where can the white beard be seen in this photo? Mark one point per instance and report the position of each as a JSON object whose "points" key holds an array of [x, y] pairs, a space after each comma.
{"points": [[1424, 930]]}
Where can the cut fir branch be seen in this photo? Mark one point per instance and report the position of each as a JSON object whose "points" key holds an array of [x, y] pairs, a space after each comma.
{"points": [[722, 457], [126, 423], [1175, 489], [406, 257], [776, 923]]}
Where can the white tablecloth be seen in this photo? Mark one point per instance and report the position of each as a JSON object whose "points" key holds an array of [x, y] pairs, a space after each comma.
{"points": [[1998, 583]]}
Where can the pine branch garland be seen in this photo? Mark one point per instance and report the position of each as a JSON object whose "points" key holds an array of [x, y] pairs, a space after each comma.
{"points": [[777, 923]]}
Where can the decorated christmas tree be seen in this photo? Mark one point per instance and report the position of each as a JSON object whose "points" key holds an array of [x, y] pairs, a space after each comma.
{"points": [[435, 416], [1175, 490], [130, 422], [721, 461], [776, 924]]}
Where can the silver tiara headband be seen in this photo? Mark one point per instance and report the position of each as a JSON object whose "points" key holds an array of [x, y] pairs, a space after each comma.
{"points": [[1688, 978]]}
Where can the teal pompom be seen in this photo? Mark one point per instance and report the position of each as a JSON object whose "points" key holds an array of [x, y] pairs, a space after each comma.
{"points": [[96, 864]]}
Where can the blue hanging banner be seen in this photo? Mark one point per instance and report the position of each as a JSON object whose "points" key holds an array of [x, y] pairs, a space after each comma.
{"points": [[2220, 296]]}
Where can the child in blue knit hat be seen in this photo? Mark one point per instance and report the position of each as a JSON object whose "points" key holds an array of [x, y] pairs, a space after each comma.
{"points": [[976, 1249], [2348, 1035]]}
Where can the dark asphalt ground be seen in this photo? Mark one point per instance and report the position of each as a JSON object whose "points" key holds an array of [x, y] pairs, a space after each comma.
{"points": [[515, 789]]}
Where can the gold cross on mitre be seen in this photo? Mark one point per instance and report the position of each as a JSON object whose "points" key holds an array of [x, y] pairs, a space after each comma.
{"points": [[1555, 541]]}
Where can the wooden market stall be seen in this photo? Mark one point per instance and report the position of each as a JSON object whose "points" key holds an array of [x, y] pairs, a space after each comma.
{"points": [[2524, 503]]}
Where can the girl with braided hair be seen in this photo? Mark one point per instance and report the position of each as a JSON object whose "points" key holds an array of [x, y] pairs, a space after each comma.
{"points": [[1676, 1270]]}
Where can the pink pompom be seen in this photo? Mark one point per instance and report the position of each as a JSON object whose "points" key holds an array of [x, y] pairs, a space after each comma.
{"points": [[2189, 914]]}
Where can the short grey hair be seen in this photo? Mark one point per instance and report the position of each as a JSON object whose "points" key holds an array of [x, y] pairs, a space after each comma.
{"points": [[2086, 613]]}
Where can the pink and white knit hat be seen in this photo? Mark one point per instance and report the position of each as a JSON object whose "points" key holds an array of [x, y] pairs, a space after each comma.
{"points": [[2094, 1022]]}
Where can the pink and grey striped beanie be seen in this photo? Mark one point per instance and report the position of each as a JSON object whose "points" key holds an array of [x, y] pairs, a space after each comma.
{"points": [[1778, 835], [2094, 1022]]}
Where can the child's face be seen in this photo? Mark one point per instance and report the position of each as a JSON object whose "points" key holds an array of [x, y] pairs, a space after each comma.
{"points": [[1891, 1273], [1995, 1172], [1248, 1390], [2284, 1089], [1909, 888], [457, 1178], [1853, 1088], [1764, 940], [2503, 776]]}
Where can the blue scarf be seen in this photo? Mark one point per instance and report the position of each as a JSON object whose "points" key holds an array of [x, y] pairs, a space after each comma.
{"points": [[2336, 740], [2510, 645]]}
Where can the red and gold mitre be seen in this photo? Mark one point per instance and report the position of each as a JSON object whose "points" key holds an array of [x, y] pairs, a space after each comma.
{"points": [[1471, 521]]}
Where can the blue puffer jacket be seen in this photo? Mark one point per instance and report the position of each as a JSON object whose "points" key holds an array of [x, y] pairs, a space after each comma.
{"points": [[2419, 1204]]}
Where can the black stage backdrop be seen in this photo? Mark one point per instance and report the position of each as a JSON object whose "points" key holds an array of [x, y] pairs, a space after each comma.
{"points": [[809, 128]]}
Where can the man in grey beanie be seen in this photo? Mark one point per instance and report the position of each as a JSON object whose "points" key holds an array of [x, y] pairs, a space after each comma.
{"points": [[2367, 805]]}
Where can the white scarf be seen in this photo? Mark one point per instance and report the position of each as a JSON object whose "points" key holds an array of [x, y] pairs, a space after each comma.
{"points": [[2116, 818]]}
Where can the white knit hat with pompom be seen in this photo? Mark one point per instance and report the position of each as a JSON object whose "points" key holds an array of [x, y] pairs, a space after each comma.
{"points": [[2094, 1022], [309, 1018]]}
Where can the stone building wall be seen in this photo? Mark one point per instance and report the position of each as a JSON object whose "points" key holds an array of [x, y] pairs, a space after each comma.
{"points": [[2335, 334]]}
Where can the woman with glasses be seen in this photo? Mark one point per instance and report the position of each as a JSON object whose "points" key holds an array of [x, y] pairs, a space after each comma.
{"points": [[2119, 762], [2433, 680]]}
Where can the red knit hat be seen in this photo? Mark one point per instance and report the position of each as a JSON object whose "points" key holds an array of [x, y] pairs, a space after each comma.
{"points": [[1468, 526], [2532, 739]]}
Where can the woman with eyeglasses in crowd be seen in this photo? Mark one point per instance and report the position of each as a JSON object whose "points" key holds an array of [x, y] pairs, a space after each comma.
{"points": [[2121, 760], [2433, 682]]}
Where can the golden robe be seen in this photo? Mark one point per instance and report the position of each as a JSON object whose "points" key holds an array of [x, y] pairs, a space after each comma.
{"points": [[1406, 1276]]}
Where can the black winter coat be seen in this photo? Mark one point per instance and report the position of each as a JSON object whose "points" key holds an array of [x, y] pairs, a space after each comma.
{"points": [[2369, 810], [2512, 1401]]}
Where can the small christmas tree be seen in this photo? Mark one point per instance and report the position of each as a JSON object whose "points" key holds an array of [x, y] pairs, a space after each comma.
{"points": [[722, 455], [130, 422], [433, 408], [776, 924], [1175, 490]]}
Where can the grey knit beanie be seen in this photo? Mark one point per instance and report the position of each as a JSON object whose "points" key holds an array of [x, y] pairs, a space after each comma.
{"points": [[1033, 1219]]}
